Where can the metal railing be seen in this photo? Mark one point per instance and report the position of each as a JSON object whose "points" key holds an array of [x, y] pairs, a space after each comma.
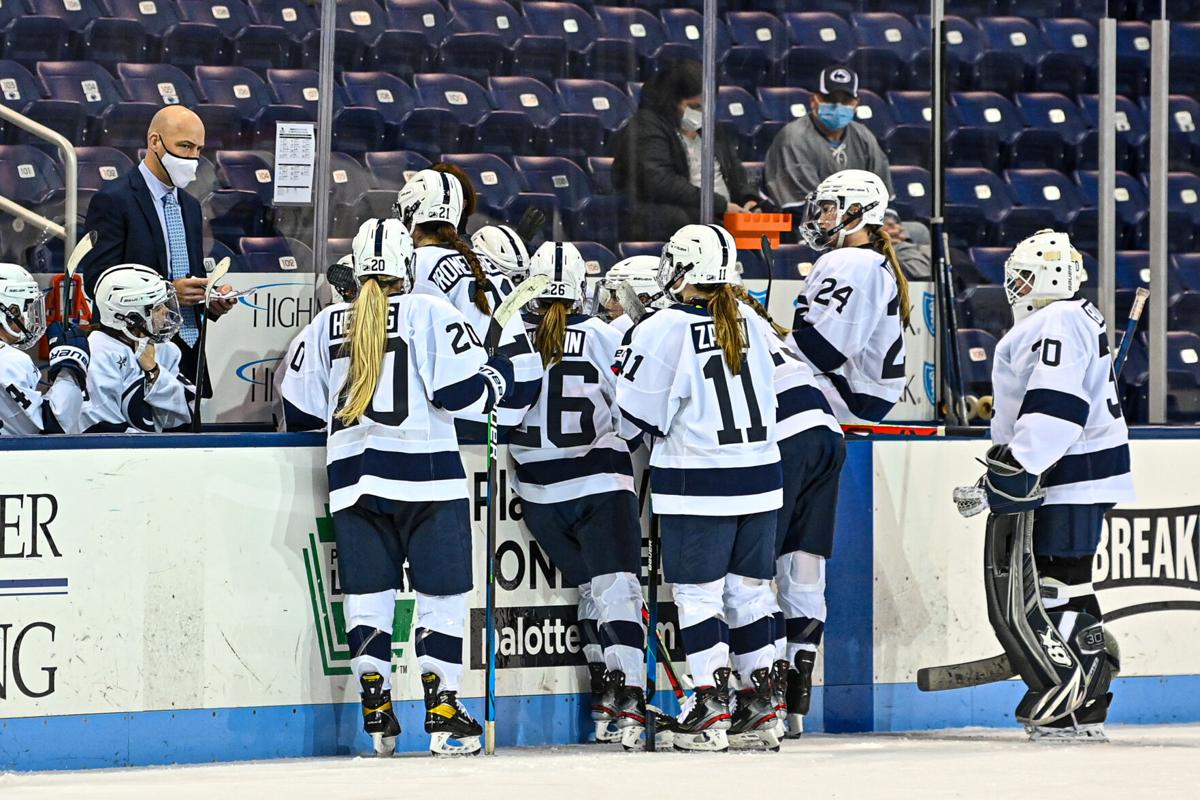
{"points": [[65, 232]]}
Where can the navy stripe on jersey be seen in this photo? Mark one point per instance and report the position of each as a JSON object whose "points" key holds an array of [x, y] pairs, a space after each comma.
{"points": [[1089, 466], [523, 394], [517, 347], [600, 461], [390, 466], [715, 481], [645, 426], [820, 353], [861, 405], [799, 399], [1053, 403], [458, 396]]}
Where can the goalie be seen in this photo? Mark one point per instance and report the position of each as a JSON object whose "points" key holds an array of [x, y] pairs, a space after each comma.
{"points": [[1059, 463]]}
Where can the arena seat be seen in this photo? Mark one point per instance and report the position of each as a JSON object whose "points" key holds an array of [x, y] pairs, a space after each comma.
{"points": [[429, 18], [230, 214], [234, 86], [964, 43], [164, 84], [874, 112], [188, 45], [275, 254], [739, 109], [1132, 268], [383, 92], [1187, 267], [464, 98], [600, 170], [500, 189], [296, 17], [635, 25], [592, 53], [989, 262], [587, 215], [298, 87], [1133, 58], [630, 249], [155, 16], [1132, 207], [526, 96], [96, 35], [1069, 66], [30, 38], [1046, 198], [817, 39], [914, 190], [123, 126], [988, 125], [391, 169], [908, 140], [20, 87], [976, 350], [977, 201], [793, 261], [783, 103], [1185, 57], [249, 171], [1183, 117], [1183, 376], [986, 308], [260, 131], [1183, 201], [1057, 116], [572, 135], [1013, 48], [84, 82], [1132, 135], [597, 258], [758, 29], [887, 44], [608, 103], [29, 176]]}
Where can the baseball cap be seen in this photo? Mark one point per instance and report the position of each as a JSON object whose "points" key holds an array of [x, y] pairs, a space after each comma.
{"points": [[838, 79]]}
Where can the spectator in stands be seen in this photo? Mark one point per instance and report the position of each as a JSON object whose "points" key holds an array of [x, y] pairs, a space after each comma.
{"points": [[657, 159], [826, 140], [914, 258], [145, 217]]}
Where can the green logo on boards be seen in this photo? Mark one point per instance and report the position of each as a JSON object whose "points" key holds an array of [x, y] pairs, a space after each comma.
{"points": [[328, 603]]}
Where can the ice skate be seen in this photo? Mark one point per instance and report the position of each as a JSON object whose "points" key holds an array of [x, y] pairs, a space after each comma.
{"points": [[779, 672], [604, 705], [452, 731], [379, 719], [799, 692], [703, 723], [632, 712], [754, 722], [1085, 725]]}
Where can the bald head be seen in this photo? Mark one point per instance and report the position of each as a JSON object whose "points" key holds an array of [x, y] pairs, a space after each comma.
{"points": [[175, 130]]}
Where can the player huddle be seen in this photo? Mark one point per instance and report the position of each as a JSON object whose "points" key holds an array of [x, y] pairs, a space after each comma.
{"points": [[741, 416]]}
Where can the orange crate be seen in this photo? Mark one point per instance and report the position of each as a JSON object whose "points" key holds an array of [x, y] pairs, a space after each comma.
{"points": [[748, 229]]}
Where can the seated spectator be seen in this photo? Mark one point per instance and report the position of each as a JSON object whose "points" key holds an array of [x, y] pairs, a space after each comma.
{"points": [[825, 141], [657, 159], [914, 258]]}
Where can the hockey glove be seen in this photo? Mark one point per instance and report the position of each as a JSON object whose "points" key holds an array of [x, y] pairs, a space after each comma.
{"points": [[531, 222], [69, 351], [498, 372], [971, 500], [1010, 489]]}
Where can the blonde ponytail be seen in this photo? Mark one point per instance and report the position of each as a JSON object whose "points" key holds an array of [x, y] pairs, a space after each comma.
{"points": [[551, 333], [882, 244], [741, 294], [727, 322], [366, 341]]}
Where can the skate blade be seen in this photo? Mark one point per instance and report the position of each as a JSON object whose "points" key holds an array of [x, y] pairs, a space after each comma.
{"points": [[384, 745], [633, 737], [712, 741], [443, 744], [795, 726], [1081, 733], [606, 731], [763, 739]]}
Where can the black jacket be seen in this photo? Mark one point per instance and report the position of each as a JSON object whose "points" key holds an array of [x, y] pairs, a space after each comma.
{"points": [[650, 167]]}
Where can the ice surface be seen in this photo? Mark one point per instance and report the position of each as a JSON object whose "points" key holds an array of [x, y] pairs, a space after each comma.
{"points": [[1153, 762]]}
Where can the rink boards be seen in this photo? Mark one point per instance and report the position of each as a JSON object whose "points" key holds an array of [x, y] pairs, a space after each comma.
{"points": [[170, 599]]}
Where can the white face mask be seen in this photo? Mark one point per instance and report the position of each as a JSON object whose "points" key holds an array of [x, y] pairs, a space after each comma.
{"points": [[182, 171], [692, 120]]}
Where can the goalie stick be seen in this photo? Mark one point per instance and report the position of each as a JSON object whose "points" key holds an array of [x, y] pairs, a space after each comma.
{"points": [[78, 253], [769, 259], [527, 291]]}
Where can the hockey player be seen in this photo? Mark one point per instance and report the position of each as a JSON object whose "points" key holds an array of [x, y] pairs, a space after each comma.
{"points": [[851, 315], [386, 374], [24, 409], [430, 205], [641, 273], [133, 383], [1060, 452], [698, 378], [501, 245], [575, 480]]}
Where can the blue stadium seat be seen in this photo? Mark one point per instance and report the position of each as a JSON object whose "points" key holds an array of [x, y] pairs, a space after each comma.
{"points": [[391, 169], [887, 44], [597, 258], [633, 24], [977, 201], [1132, 268], [600, 170], [1132, 207], [976, 349], [223, 126], [474, 55], [914, 190], [525, 96], [387, 94], [249, 44], [739, 109], [818, 39], [964, 43], [1185, 312], [988, 126], [874, 112], [155, 17], [96, 35], [757, 29], [783, 104], [123, 126], [630, 249], [985, 308], [1185, 58], [23, 93], [500, 189], [30, 38], [428, 17], [1187, 267], [29, 176], [610, 105], [260, 131], [188, 45], [1057, 116], [248, 171], [572, 135], [348, 180], [591, 218], [495, 17], [1133, 147], [1133, 58], [165, 84], [20, 87], [86, 83], [234, 86], [593, 54], [686, 26], [230, 214], [989, 262], [1070, 65], [503, 133], [298, 87], [296, 17], [1183, 138], [1183, 201], [230, 16], [1047, 199], [275, 254], [908, 140], [794, 261], [1015, 47]]}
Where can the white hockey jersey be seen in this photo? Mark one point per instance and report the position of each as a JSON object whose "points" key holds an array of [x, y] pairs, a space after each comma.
{"points": [[621, 325], [118, 400], [718, 455], [848, 328], [1057, 406], [801, 405], [568, 445], [442, 272], [24, 410], [404, 447]]}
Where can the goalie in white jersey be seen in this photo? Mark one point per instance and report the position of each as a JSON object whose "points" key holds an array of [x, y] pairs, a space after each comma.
{"points": [[432, 205], [1061, 449], [24, 409], [641, 273], [697, 377], [574, 476], [133, 383], [385, 376], [851, 316]]}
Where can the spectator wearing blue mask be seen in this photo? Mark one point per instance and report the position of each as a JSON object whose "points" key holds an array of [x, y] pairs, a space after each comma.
{"points": [[824, 141]]}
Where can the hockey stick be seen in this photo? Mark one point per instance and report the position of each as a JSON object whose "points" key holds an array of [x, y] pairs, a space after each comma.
{"points": [[218, 272], [78, 253], [1135, 315], [652, 651], [665, 655], [769, 260], [945, 282], [974, 432], [512, 305]]}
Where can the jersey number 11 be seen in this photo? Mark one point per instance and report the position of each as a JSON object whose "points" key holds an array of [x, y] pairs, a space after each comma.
{"points": [[714, 370]]}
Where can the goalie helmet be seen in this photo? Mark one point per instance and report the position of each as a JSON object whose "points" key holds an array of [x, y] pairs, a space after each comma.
{"points": [[699, 255], [501, 246], [137, 301], [844, 203], [430, 196], [640, 272], [383, 248], [564, 266], [1041, 269], [22, 307]]}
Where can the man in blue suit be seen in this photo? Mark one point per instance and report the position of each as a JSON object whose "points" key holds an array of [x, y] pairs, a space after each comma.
{"points": [[145, 217]]}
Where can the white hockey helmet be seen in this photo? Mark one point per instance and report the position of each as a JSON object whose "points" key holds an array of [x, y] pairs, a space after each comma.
{"points": [[699, 254], [383, 248], [430, 196], [844, 203], [22, 306], [1041, 269], [564, 266], [138, 302], [641, 273], [500, 245]]}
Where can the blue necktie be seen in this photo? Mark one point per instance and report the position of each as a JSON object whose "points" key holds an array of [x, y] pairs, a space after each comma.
{"points": [[177, 245]]}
